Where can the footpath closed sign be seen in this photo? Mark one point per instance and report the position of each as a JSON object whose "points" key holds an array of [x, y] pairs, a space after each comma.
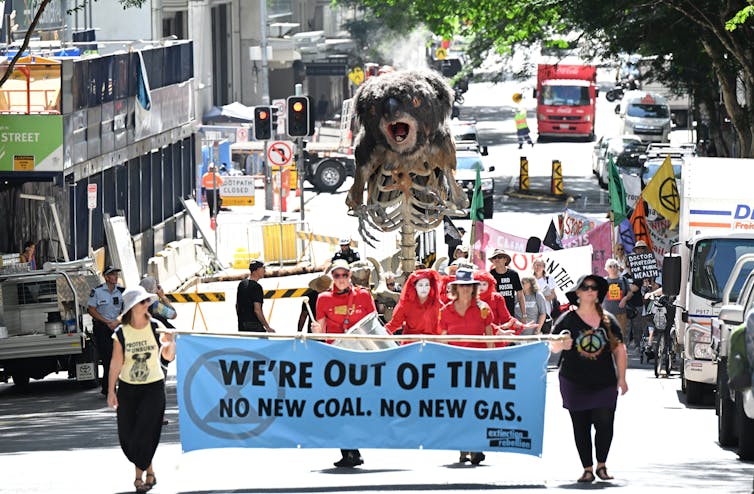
{"points": [[236, 392], [237, 191]]}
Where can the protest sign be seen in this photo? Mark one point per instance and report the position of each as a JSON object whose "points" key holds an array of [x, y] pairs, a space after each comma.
{"points": [[643, 266], [258, 393]]}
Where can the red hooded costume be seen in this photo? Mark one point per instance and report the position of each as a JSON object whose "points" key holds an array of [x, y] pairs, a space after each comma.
{"points": [[414, 316]]}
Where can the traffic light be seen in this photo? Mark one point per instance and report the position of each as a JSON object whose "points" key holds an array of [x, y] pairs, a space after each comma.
{"points": [[262, 123], [300, 116]]}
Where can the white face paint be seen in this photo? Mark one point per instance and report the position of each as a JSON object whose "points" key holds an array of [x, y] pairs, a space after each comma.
{"points": [[422, 288], [483, 286]]}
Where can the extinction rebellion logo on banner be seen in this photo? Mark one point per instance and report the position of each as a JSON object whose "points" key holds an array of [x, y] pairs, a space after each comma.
{"points": [[244, 392]]}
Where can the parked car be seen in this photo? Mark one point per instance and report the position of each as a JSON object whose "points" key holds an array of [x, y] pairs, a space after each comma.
{"points": [[464, 130], [600, 147], [468, 160], [625, 152]]}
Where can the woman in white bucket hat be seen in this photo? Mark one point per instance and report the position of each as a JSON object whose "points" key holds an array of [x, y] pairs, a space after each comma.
{"points": [[136, 366]]}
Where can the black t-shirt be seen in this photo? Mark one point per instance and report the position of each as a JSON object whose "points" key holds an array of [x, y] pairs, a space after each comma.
{"points": [[249, 291], [589, 362], [349, 255], [637, 300], [507, 284]]}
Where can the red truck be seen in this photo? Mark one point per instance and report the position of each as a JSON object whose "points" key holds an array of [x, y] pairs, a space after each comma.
{"points": [[566, 100]]}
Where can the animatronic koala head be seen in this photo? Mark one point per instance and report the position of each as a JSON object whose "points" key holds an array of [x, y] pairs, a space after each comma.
{"points": [[405, 108]]}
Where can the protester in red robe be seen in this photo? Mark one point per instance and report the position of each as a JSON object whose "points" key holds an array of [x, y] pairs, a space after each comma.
{"points": [[419, 305]]}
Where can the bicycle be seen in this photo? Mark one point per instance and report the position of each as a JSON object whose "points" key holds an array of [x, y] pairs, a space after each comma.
{"points": [[664, 348]]}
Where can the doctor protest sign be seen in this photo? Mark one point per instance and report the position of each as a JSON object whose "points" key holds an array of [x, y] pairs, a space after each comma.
{"points": [[259, 393]]}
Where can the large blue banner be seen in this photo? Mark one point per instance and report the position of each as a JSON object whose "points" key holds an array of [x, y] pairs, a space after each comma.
{"points": [[259, 393]]}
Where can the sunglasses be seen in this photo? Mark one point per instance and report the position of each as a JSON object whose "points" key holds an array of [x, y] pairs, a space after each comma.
{"points": [[145, 301], [340, 275], [586, 288]]}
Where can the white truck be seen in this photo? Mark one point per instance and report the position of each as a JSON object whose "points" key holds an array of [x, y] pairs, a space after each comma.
{"points": [[734, 409], [716, 228], [45, 327]]}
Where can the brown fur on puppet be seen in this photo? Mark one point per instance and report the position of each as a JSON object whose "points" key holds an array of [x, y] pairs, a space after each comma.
{"points": [[405, 152]]}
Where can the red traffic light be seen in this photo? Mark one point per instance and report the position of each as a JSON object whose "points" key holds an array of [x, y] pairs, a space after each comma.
{"points": [[298, 106], [263, 115]]}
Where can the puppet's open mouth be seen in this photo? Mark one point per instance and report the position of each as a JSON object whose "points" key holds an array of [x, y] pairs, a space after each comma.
{"points": [[399, 131]]}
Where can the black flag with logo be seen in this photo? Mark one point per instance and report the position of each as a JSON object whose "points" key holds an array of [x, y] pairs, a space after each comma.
{"points": [[552, 239]]}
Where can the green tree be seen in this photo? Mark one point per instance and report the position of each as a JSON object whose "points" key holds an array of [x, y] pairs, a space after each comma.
{"points": [[708, 57]]}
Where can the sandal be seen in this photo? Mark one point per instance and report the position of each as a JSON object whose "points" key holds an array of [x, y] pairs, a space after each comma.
{"points": [[603, 475], [151, 484], [586, 477], [140, 485]]}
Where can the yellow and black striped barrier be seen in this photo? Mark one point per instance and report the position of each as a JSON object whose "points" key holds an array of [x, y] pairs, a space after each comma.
{"points": [[556, 185], [285, 293], [315, 237], [523, 175], [192, 297]]}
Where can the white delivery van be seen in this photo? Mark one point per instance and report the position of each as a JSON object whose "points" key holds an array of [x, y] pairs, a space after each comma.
{"points": [[646, 115]]}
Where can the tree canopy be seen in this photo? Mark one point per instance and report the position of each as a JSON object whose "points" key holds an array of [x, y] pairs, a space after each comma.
{"points": [[703, 46]]}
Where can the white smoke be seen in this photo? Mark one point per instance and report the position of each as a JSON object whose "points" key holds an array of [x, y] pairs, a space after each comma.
{"points": [[405, 52]]}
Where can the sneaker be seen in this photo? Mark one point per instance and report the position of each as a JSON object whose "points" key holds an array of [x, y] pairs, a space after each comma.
{"points": [[520, 146]]}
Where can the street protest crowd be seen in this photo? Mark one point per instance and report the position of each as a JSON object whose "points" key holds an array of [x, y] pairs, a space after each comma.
{"points": [[460, 299]]}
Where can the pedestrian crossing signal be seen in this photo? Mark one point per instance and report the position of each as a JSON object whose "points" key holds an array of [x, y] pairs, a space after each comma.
{"points": [[262, 123]]}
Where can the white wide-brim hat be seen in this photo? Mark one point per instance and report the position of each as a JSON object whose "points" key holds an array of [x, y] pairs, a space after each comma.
{"points": [[133, 296]]}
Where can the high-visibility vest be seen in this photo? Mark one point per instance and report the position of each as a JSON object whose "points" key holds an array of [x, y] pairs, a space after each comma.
{"points": [[520, 118], [211, 179]]}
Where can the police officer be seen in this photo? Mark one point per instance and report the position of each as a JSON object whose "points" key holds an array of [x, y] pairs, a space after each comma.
{"points": [[345, 252], [105, 305]]}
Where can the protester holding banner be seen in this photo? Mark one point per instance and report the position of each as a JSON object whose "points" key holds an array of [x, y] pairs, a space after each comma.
{"points": [[535, 307], [501, 318], [419, 306], [464, 315], [137, 367], [338, 310], [507, 280], [592, 371]]}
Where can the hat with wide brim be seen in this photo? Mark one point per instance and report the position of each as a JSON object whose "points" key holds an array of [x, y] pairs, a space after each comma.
{"points": [[500, 253], [133, 296], [601, 288], [321, 283], [464, 276], [517, 97]]}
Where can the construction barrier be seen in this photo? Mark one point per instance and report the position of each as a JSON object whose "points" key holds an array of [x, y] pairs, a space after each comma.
{"points": [[177, 263], [279, 241], [523, 175], [556, 185], [241, 240], [315, 237], [285, 293], [196, 297]]}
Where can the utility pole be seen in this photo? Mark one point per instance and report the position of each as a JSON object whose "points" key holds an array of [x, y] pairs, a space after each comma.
{"points": [[264, 86]]}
